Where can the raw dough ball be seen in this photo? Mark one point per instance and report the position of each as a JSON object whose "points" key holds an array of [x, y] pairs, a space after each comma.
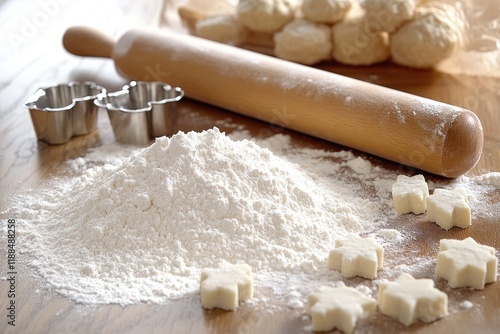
{"points": [[325, 11], [303, 42], [353, 44], [387, 15], [454, 13], [222, 28], [434, 34], [266, 15]]}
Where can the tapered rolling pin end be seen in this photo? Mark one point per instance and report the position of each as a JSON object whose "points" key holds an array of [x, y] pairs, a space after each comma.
{"points": [[463, 145], [88, 42]]}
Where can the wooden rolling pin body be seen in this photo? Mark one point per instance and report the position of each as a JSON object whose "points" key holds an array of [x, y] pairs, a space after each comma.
{"points": [[411, 130]]}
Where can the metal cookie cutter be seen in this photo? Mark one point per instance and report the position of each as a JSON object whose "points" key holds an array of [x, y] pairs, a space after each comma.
{"points": [[141, 111], [63, 111]]}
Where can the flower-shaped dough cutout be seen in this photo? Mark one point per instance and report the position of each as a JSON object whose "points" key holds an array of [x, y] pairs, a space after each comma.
{"points": [[356, 256], [449, 208], [410, 194], [224, 287], [340, 307], [465, 263], [408, 300]]}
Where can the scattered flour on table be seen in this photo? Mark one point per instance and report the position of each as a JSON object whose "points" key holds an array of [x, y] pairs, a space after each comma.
{"points": [[110, 154], [492, 178], [142, 230], [466, 304], [140, 225]]}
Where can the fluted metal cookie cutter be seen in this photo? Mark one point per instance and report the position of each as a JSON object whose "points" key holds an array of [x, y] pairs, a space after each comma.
{"points": [[63, 111], [141, 111]]}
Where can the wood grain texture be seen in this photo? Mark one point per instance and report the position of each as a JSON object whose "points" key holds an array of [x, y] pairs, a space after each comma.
{"points": [[25, 163]]}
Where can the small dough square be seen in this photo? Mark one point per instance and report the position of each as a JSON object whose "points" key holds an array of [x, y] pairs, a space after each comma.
{"points": [[224, 287], [410, 194], [449, 208]]}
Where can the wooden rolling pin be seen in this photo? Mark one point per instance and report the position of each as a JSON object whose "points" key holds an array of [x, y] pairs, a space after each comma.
{"points": [[411, 130]]}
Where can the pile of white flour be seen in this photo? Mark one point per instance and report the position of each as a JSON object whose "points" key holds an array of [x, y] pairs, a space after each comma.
{"points": [[143, 230], [140, 229]]}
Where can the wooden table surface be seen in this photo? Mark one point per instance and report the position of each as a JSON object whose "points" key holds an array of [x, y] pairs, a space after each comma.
{"points": [[31, 56]]}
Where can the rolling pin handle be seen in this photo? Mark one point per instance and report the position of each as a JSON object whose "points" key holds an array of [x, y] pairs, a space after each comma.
{"points": [[88, 42]]}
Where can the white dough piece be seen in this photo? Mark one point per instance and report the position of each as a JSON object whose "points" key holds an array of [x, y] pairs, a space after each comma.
{"points": [[340, 308], [434, 34], [449, 208], [387, 15], [410, 194], [465, 263], [266, 16], [356, 256], [354, 44], [224, 287], [222, 28], [303, 42], [325, 11], [408, 300]]}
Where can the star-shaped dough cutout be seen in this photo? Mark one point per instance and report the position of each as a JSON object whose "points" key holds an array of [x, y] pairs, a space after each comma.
{"points": [[340, 307], [465, 263], [449, 208], [408, 300], [356, 256], [409, 194], [224, 287]]}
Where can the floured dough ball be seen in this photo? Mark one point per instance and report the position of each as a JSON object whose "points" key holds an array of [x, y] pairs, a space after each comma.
{"points": [[353, 44], [454, 13], [387, 15], [222, 28], [303, 42], [434, 34], [267, 16], [325, 11]]}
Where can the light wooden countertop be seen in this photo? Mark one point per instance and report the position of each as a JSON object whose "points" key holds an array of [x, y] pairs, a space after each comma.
{"points": [[38, 59]]}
